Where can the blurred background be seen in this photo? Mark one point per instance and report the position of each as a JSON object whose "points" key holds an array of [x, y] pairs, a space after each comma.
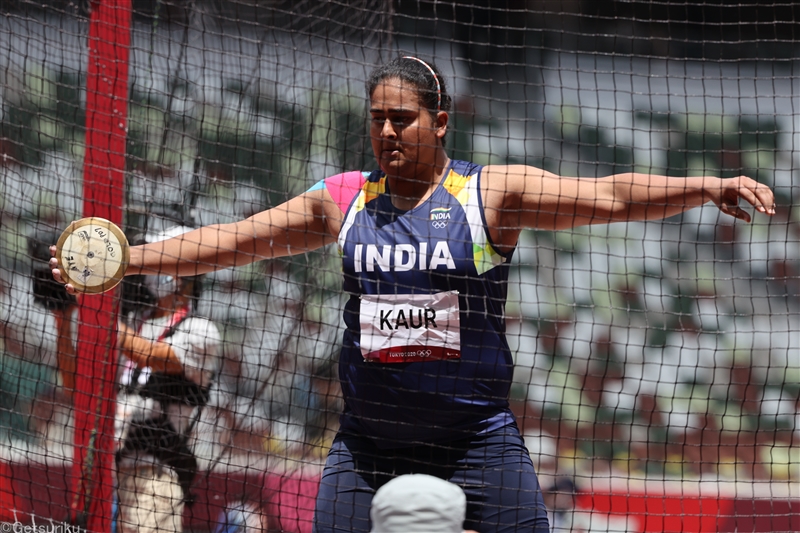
{"points": [[645, 352]]}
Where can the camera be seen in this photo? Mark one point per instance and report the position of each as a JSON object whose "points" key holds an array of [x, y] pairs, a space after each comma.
{"points": [[46, 290]]}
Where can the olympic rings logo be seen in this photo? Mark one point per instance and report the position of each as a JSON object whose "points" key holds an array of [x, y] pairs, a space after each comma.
{"points": [[424, 353], [439, 224]]}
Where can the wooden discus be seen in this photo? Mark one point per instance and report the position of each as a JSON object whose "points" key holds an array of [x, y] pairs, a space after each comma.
{"points": [[93, 254]]}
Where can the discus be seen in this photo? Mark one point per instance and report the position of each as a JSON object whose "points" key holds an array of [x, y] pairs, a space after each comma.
{"points": [[92, 255]]}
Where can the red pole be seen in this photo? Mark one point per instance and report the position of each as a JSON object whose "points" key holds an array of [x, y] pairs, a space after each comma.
{"points": [[103, 188]]}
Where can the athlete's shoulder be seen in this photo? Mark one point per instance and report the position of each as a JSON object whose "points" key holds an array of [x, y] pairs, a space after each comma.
{"points": [[343, 187], [465, 168]]}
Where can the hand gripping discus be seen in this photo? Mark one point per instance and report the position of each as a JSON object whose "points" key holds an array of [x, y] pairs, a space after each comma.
{"points": [[93, 255]]}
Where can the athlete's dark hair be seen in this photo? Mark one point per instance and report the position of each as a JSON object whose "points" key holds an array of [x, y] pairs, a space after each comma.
{"points": [[422, 74]]}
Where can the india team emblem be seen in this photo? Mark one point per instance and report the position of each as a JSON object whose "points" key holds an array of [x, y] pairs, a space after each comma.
{"points": [[440, 216]]}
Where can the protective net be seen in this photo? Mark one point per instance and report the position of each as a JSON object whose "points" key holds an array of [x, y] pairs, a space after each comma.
{"points": [[656, 365]]}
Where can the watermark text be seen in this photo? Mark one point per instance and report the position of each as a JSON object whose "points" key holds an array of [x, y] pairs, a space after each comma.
{"points": [[54, 527]]}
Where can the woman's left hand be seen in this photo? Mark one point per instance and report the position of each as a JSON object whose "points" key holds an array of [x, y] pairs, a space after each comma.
{"points": [[732, 190]]}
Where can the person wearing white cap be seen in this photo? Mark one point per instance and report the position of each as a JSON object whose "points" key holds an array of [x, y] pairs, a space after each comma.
{"points": [[418, 503]]}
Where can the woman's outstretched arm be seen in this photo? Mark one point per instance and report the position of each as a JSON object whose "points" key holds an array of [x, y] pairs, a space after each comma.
{"points": [[294, 227], [535, 198]]}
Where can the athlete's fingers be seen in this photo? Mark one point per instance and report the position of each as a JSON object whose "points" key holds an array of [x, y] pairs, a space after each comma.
{"points": [[758, 195], [53, 263], [728, 201], [743, 188], [766, 199], [57, 276], [67, 286], [56, 272], [741, 214], [734, 211]]}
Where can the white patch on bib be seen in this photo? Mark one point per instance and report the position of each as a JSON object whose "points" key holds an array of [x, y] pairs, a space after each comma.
{"points": [[404, 328]]}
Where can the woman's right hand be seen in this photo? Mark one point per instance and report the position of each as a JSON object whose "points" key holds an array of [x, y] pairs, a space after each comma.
{"points": [[57, 272]]}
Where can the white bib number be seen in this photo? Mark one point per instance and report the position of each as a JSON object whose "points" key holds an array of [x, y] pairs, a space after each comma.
{"points": [[404, 328]]}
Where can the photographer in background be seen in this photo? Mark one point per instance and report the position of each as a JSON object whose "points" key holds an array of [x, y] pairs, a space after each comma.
{"points": [[51, 295], [171, 358], [37, 348]]}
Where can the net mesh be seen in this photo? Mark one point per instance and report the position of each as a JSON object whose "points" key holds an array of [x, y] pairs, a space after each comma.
{"points": [[656, 364]]}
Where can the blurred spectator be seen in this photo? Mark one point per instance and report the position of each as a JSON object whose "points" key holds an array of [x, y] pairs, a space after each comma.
{"points": [[49, 294], [53, 315], [419, 503], [544, 451], [291, 495], [561, 512], [649, 433], [173, 357], [241, 516]]}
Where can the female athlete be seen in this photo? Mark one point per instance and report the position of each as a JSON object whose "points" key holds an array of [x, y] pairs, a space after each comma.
{"points": [[426, 243]]}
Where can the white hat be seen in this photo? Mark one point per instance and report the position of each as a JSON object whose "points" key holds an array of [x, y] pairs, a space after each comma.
{"points": [[418, 503]]}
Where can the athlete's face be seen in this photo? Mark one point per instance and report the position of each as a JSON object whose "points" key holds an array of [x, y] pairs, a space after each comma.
{"points": [[405, 136]]}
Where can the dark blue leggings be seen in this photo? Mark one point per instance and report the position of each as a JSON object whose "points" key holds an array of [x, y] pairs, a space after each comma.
{"points": [[494, 469]]}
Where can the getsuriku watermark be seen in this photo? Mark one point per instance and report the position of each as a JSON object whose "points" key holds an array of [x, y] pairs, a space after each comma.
{"points": [[19, 527]]}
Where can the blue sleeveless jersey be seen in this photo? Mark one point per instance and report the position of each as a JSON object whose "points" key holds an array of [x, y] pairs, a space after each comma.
{"points": [[439, 247]]}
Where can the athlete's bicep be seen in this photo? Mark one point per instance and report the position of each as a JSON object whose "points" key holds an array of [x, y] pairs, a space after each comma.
{"points": [[557, 202], [294, 227], [573, 202], [536, 198]]}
